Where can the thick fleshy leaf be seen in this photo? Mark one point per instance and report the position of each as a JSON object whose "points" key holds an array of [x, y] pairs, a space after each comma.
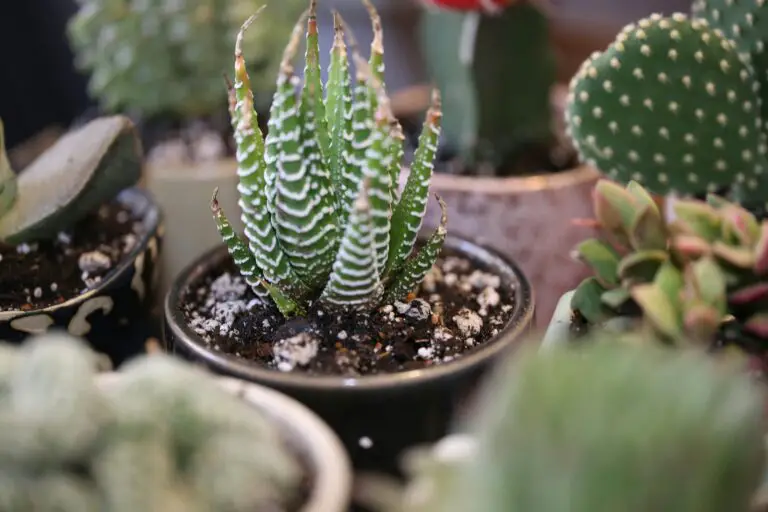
{"points": [[615, 298], [83, 169], [758, 325], [669, 280], [761, 250], [697, 218], [710, 283], [741, 257], [642, 196], [691, 246], [641, 267], [614, 206], [648, 231], [602, 259], [587, 300], [739, 226], [752, 293], [658, 310]]}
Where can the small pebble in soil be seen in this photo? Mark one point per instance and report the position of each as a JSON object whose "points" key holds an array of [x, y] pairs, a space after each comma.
{"points": [[459, 307]]}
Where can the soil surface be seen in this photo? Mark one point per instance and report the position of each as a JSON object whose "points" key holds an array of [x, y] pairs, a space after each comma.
{"points": [[458, 307], [44, 273]]}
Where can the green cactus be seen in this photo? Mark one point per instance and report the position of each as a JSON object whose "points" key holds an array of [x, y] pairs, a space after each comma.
{"points": [[671, 104], [165, 57], [89, 165], [324, 221], [495, 73], [746, 24], [603, 428], [161, 437]]}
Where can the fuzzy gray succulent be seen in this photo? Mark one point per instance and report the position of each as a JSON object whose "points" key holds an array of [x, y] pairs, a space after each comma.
{"points": [[162, 437]]}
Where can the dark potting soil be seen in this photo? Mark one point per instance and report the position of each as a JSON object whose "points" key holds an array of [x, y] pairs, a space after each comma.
{"points": [[458, 308], [40, 274]]}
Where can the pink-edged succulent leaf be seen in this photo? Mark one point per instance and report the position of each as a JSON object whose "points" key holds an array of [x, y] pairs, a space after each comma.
{"points": [[739, 226], [614, 206], [741, 257], [642, 196], [748, 294], [670, 280], [697, 218], [710, 283], [658, 310], [690, 247], [615, 298], [648, 230], [757, 325], [701, 321], [641, 266], [587, 301], [602, 259], [761, 250]]}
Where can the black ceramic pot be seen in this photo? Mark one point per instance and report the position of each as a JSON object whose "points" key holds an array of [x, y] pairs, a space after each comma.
{"points": [[394, 411], [114, 317]]}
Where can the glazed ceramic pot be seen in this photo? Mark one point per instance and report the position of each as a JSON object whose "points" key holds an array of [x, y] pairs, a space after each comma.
{"points": [[379, 416], [307, 435], [114, 316], [184, 195]]}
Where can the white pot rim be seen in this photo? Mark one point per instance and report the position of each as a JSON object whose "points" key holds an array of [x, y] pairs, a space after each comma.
{"points": [[332, 470]]}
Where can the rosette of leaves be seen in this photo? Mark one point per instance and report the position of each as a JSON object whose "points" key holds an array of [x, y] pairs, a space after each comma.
{"points": [[324, 218], [631, 250], [159, 57], [86, 167], [159, 436]]}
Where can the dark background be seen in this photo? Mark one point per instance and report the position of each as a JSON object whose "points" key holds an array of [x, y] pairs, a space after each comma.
{"points": [[39, 84]]}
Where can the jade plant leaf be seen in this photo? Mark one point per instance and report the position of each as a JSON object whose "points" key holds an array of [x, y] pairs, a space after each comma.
{"points": [[670, 281], [641, 266], [648, 231], [616, 297], [602, 258], [8, 184], [85, 168], [710, 281], [614, 206], [587, 300], [658, 309], [741, 257], [697, 218]]}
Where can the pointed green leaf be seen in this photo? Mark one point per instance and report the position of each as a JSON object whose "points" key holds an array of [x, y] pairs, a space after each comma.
{"points": [[8, 185], [82, 170], [641, 267], [312, 92], [614, 206], [710, 283], [648, 231], [354, 281], [615, 298], [658, 310], [670, 280], [642, 196], [376, 172], [741, 257], [601, 258], [587, 300], [697, 218], [409, 213], [414, 270]]}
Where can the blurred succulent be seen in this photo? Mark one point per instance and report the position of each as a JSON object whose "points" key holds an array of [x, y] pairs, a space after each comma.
{"points": [[673, 105], [165, 56], [495, 67], [159, 436], [324, 219], [603, 427], [633, 248], [83, 169]]}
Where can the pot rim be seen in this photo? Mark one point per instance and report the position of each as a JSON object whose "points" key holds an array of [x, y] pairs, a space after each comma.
{"points": [[332, 470], [520, 320], [151, 218]]}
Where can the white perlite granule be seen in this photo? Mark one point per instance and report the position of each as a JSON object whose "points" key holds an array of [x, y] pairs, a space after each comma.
{"points": [[94, 261], [487, 298], [468, 322], [224, 303], [295, 351]]}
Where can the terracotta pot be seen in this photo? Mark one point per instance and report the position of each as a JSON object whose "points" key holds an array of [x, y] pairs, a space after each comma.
{"points": [[184, 195], [313, 439], [376, 416]]}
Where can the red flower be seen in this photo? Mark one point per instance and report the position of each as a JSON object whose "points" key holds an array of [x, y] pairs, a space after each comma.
{"points": [[490, 6]]}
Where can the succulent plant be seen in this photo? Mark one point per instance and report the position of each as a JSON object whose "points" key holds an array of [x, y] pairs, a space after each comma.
{"points": [[324, 219], [161, 436], [89, 166], [673, 105], [165, 57], [495, 68], [631, 251], [605, 427]]}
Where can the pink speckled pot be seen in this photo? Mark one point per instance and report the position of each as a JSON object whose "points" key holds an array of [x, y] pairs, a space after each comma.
{"points": [[527, 219]]}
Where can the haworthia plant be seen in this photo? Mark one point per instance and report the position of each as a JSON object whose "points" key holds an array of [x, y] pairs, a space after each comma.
{"points": [[158, 436], [324, 219], [156, 57], [673, 105], [85, 168]]}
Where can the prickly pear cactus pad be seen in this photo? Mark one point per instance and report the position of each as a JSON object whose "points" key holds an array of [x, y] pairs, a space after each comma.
{"points": [[158, 437], [331, 246], [672, 105], [604, 428]]}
